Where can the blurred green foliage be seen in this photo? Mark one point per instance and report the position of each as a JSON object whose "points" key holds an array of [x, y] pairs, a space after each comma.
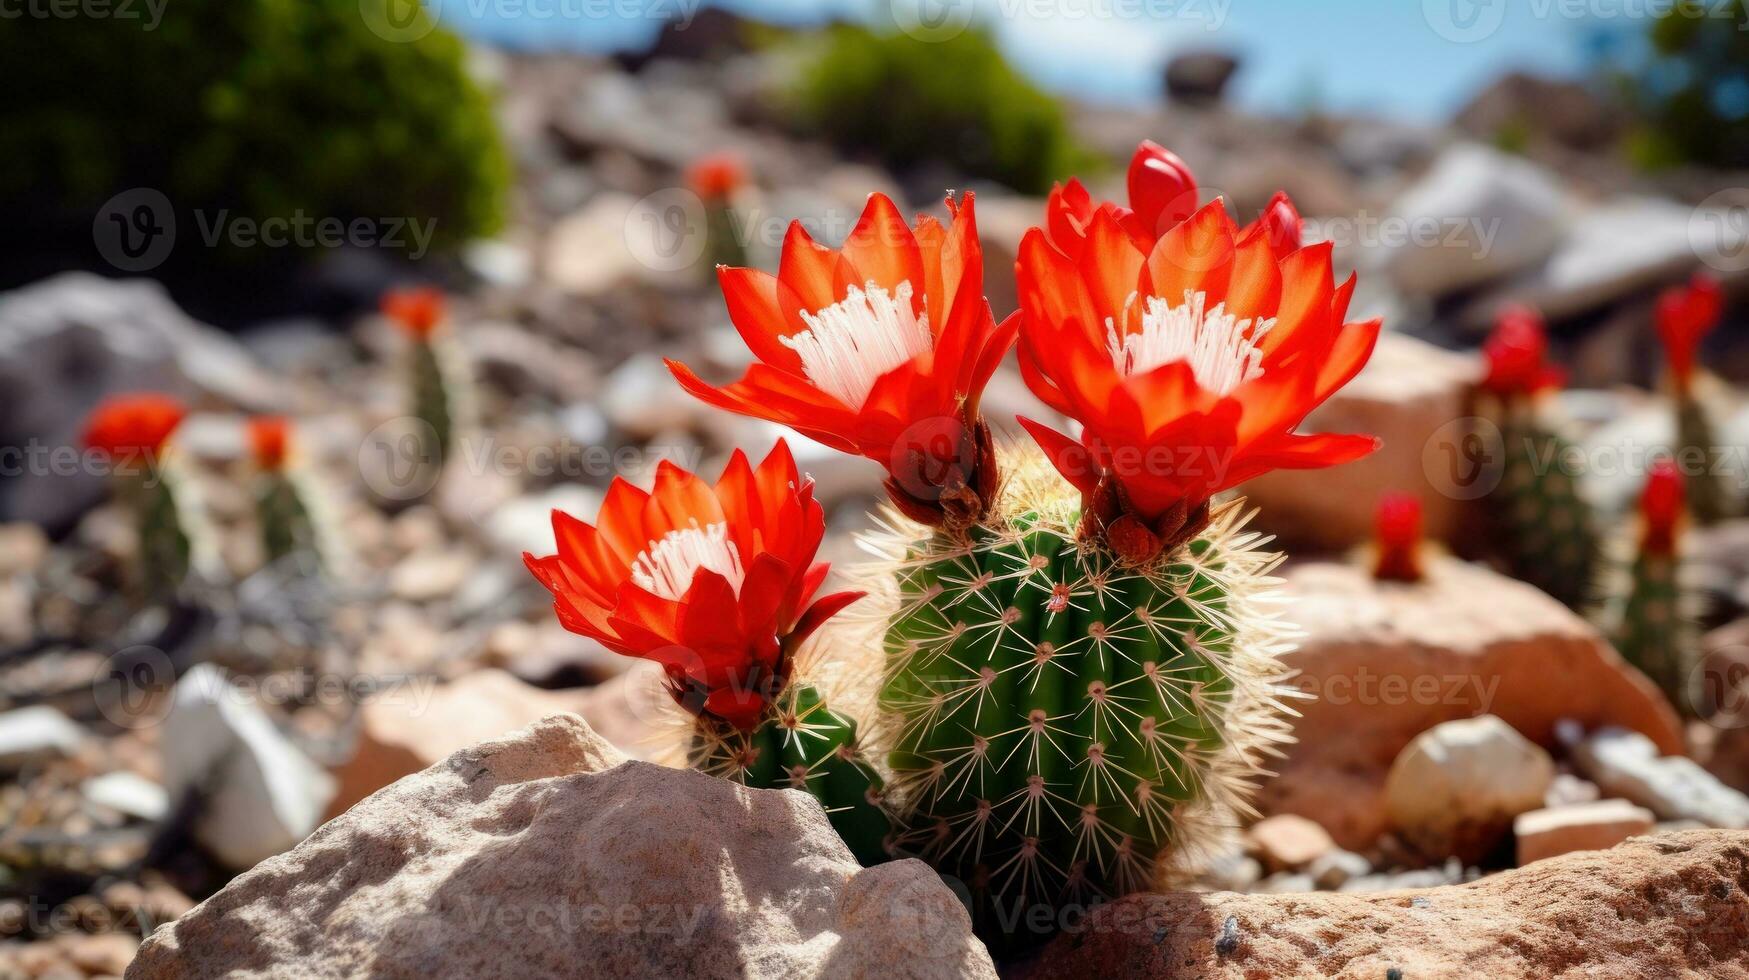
{"points": [[1694, 98], [954, 101], [265, 107]]}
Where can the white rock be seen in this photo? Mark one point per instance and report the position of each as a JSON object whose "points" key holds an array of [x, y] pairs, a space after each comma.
{"points": [[526, 523], [1456, 788], [643, 399], [1477, 215], [616, 240], [261, 794], [1627, 764], [128, 793], [35, 735]]}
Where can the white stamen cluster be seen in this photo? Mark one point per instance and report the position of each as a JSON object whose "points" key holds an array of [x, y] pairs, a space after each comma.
{"points": [[1220, 348], [665, 568], [850, 344]]}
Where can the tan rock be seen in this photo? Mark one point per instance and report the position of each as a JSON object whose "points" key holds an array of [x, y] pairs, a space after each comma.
{"points": [[1288, 842], [1408, 395], [545, 853], [1454, 790], [1580, 827], [1386, 662], [1665, 906], [412, 727]]}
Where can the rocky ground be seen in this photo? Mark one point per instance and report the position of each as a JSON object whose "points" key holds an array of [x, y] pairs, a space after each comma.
{"points": [[134, 783]]}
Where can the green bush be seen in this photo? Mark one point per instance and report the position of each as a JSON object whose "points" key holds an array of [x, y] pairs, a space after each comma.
{"points": [[1692, 92], [910, 102], [265, 107]]}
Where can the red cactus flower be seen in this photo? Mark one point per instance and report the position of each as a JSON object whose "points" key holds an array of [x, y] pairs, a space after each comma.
{"points": [[417, 310], [1661, 506], [134, 427], [715, 583], [1398, 524], [716, 176], [1188, 366], [881, 348], [269, 436], [1686, 314], [1162, 193], [1517, 353]]}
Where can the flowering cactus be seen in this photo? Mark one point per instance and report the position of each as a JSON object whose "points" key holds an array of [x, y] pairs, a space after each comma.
{"points": [[717, 584], [1652, 627], [284, 504], [1543, 528], [1686, 314], [1398, 545], [434, 378], [1078, 678], [133, 433], [716, 179]]}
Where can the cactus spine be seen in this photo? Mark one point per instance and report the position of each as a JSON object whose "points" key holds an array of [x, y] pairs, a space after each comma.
{"points": [[1547, 532], [1061, 724], [804, 745]]}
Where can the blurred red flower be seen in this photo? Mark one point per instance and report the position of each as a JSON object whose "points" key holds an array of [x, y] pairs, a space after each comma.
{"points": [[129, 427], [1188, 366], [881, 348], [1398, 527], [1686, 314], [417, 309], [1163, 193], [715, 583], [1517, 353], [1661, 506], [268, 438], [716, 176]]}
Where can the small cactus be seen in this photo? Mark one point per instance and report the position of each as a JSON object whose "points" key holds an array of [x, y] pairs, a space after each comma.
{"points": [[722, 595], [435, 381], [1544, 529], [1398, 549], [1686, 314], [285, 508], [1653, 629], [133, 433], [716, 179]]}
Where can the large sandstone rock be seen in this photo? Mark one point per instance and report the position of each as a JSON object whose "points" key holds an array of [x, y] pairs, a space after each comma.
{"points": [[1662, 906], [546, 853], [1386, 662], [1411, 395], [1454, 791]]}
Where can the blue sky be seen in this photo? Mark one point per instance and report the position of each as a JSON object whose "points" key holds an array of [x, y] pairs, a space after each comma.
{"points": [[1411, 59]]}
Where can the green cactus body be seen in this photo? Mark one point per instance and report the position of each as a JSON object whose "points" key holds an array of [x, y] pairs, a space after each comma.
{"points": [[287, 525], [1546, 531], [1708, 500], [1061, 726], [723, 241], [805, 745], [433, 402], [1652, 631], [165, 551]]}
